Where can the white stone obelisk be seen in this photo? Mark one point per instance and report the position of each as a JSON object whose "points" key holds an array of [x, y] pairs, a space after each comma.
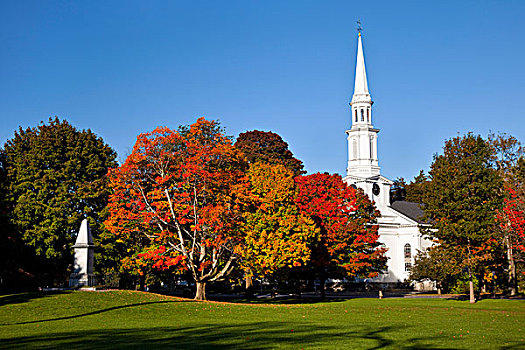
{"points": [[83, 268]]}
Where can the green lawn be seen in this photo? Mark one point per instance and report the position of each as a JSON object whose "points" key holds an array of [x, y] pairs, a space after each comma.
{"points": [[130, 320]]}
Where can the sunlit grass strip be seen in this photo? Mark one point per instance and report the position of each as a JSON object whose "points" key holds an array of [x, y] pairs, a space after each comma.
{"points": [[124, 319]]}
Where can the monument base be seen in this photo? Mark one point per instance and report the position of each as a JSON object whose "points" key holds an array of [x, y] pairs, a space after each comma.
{"points": [[81, 280]]}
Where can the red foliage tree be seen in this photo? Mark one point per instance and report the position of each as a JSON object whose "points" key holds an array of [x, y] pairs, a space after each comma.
{"points": [[346, 218], [511, 219], [181, 190]]}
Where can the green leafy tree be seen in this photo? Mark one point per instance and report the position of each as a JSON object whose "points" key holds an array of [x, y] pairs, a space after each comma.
{"points": [[440, 264], [54, 177], [268, 147], [462, 197]]}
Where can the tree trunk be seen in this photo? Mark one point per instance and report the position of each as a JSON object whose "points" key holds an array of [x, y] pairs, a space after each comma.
{"points": [[322, 283], [142, 283], [471, 287], [470, 282], [512, 269], [200, 294], [248, 294]]}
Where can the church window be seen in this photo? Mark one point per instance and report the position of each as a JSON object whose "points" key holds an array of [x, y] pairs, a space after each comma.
{"points": [[362, 115], [368, 114], [408, 257], [408, 251], [354, 143], [355, 113], [371, 148]]}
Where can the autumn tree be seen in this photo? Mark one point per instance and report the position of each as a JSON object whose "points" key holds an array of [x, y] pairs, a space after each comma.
{"points": [[54, 177], [182, 190], [346, 219], [510, 165], [268, 147], [276, 234], [511, 222], [461, 198]]}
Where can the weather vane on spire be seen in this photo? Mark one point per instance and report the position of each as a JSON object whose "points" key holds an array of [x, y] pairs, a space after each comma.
{"points": [[359, 28]]}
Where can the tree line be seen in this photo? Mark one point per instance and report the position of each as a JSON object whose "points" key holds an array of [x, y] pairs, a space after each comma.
{"points": [[186, 201], [197, 203], [473, 197]]}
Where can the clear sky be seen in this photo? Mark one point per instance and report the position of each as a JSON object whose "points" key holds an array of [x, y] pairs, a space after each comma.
{"points": [[436, 69]]}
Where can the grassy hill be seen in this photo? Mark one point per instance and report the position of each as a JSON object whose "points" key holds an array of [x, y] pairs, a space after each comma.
{"points": [[131, 320]]}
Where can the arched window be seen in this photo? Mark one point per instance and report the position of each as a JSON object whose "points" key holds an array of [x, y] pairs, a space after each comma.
{"points": [[408, 257], [368, 114], [355, 113], [362, 115]]}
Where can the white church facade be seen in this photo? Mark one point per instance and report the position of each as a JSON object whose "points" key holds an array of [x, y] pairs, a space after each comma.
{"points": [[399, 221]]}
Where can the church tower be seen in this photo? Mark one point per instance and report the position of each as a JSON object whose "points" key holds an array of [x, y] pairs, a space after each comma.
{"points": [[398, 221], [362, 137], [363, 169]]}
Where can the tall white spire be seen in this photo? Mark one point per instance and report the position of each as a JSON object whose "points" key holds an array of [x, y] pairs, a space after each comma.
{"points": [[361, 101], [361, 84], [362, 136]]}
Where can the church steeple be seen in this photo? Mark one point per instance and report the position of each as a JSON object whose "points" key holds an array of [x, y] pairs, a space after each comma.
{"points": [[361, 101], [361, 84], [362, 137]]}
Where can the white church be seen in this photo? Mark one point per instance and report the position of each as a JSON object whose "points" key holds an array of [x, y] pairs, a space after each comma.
{"points": [[399, 222]]}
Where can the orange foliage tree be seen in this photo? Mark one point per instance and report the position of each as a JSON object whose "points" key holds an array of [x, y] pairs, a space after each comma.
{"points": [[348, 230], [181, 189]]}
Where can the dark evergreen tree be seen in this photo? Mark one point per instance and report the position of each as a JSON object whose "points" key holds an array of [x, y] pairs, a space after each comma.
{"points": [[416, 188], [397, 190]]}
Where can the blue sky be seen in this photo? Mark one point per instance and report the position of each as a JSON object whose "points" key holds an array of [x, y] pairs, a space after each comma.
{"points": [[435, 69]]}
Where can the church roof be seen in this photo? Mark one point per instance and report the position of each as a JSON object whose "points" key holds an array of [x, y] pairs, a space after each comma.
{"points": [[410, 209]]}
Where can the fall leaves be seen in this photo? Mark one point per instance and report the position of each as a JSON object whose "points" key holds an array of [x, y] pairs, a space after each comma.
{"points": [[207, 209]]}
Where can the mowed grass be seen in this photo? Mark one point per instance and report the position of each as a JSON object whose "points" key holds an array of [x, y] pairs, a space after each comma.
{"points": [[131, 320]]}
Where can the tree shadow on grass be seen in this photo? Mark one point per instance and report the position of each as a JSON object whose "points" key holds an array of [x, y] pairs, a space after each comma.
{"points": [[232, 335], [263, 335], [97, 311], [26, 297]]}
